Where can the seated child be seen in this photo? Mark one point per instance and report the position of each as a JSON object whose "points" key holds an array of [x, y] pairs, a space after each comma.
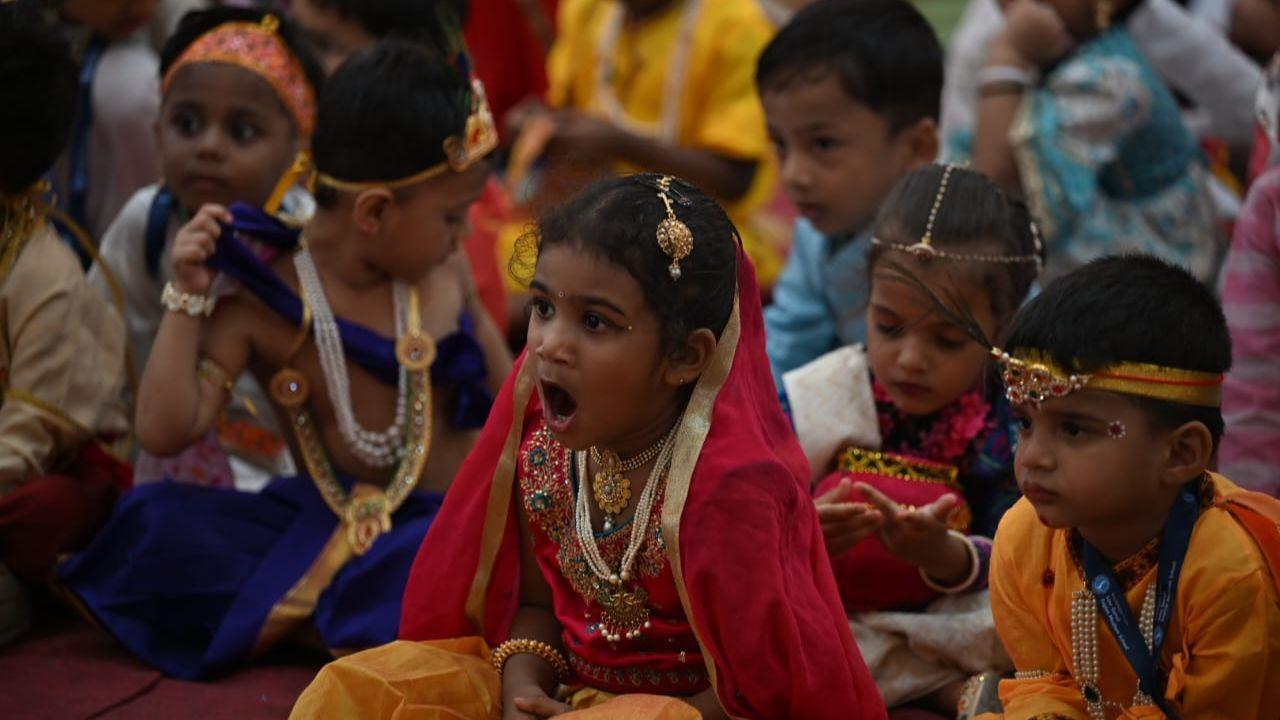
{"points": [[239, 97], [1129, 581], [112, 150], [1099, 147], [340, 327], [646, 381], [666, 86], [850, 92], [916, 426], [1250, 451], [338, 28], [61, 347]]}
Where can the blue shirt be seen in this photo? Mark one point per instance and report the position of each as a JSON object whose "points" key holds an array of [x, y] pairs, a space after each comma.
{"points": [[820, 300]]}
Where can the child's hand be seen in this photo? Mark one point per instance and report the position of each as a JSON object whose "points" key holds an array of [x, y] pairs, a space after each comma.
{"points": [[1035, 32], [844, 523], [194, 245], [920, 536], [536, 705], [584, 137]]}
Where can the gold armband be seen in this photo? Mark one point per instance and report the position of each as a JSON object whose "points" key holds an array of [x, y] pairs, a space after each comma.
{"points": [[531, 647], [212, 373]]}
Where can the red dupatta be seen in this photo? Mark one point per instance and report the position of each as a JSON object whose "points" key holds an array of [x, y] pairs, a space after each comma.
{"points": [[742, 538]]}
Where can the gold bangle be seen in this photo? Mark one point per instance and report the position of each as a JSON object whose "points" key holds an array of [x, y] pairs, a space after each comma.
{"points": [[212, 372], [531, 647]]}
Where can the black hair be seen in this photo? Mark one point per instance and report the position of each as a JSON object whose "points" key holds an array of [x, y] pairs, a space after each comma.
{"points": [[884, 53], [386, 113], [38, 88], [975, 217], [435, 23], [198, 22], [1130, 308], [617, 220]]}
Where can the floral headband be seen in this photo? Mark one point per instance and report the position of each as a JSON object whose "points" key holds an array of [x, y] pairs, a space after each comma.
{"points": [[258, 48]]}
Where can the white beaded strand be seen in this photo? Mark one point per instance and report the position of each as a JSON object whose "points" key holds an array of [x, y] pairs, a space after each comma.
{"points": [[376, 449]]}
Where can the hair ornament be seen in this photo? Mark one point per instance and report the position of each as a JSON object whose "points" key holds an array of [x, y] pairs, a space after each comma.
{"points": [[258, 48], [479, 138], [674, 237], [1034, 377], [924, 249]]}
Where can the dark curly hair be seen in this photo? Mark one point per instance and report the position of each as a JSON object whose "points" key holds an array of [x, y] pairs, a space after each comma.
{"points": [[617, 220]]}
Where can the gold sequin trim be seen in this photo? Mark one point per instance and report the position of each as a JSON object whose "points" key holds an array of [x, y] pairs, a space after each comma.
{"points": [[860, 460]]}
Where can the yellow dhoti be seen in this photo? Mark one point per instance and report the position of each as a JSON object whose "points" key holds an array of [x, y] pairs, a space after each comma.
{"points": [[449, 679]]}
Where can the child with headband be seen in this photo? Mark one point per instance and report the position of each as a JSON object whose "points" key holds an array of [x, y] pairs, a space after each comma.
{"points": [[632, 536], [1130, 581], [341, 327], [911, 444], [238, 106]]}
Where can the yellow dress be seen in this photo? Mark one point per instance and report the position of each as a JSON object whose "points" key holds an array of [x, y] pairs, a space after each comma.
{"points": [[691, 83], [1222, 652]]}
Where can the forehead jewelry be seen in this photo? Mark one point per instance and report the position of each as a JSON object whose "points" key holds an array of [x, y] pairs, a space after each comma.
{"points": [[924, 249], [1117, 430], [674, 237]]}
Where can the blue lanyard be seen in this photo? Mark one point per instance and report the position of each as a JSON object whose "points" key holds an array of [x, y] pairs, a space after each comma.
{"points": [[1174, 541], [77, 195], [157, 229]]}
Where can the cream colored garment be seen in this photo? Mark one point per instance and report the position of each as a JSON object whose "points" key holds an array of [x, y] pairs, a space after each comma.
{"points": [[832, 406], [911, 654], [61, 361]]}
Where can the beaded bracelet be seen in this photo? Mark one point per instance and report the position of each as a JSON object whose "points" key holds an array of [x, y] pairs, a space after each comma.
{"points": [[531, 647], [194, 305]]}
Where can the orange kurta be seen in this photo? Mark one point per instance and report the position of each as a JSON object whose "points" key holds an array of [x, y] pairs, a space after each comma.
{"points": [[1222, 651]]}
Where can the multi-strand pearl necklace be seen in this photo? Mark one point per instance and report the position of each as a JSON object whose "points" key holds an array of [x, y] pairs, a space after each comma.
{"points": [[375, 449], [624, 610], [1084, 648]]}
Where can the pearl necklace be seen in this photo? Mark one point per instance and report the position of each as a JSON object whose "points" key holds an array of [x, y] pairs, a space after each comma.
{"points": [[625, 611], [1084, 648], [375, 449], [668, 126]]}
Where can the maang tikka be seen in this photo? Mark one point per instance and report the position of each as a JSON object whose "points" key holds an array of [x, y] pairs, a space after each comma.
{"points": [[674, 237]]}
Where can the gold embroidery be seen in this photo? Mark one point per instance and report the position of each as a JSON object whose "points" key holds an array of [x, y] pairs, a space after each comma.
{"points": [[547, 495], [690, 675], [859, 460]]}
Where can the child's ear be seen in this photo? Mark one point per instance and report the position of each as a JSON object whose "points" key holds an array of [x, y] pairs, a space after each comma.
{"points": [[921, 143], [685, 365], [371, 209], [1190, 452]]}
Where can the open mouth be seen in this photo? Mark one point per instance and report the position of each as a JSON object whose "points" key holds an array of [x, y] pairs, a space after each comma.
{"points": [[558, 406]]}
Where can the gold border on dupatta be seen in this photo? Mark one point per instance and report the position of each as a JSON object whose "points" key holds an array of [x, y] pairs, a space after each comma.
{"points": [[694, 428], [495, 520]]}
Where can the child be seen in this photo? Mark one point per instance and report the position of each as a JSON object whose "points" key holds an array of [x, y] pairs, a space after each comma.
{"points": [[1128, 581], [917, 422], [665, 86], [112, 150], [1098, 146], [196, 580], [1250, 452], [646, 360], [61, 348], [850, 91], [239, 97]]}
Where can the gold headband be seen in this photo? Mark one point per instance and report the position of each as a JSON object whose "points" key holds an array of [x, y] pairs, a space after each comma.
{"points": [[479, 138], [1035, 377], [925, 250], [674, 237]]}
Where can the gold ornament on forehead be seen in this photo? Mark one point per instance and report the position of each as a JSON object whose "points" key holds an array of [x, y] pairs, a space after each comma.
{"points": [[674, 237]]}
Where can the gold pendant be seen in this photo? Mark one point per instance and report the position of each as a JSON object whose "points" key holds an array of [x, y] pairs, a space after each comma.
{"points": [[416, 351], [290, 388], [626, 612], [611, 490], [367, 517]]}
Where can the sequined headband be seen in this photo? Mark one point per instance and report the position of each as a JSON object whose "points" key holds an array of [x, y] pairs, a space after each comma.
{"points": [[1034, 377], [674, 237], [479, 138], [924, 249], [258, 48]]}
